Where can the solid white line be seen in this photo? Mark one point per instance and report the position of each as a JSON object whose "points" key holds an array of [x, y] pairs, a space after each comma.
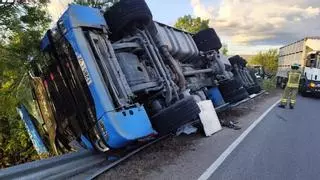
{"points": [[228, 151]]}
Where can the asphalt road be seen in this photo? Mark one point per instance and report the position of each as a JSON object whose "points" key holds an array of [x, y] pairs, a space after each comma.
{"points": [[285, 145]]}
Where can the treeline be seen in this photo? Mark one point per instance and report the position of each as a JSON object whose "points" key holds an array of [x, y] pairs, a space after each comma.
{"points": [[21, 27]]}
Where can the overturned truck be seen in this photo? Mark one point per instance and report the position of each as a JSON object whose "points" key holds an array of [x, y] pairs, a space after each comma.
{"points": [[111, 79]]}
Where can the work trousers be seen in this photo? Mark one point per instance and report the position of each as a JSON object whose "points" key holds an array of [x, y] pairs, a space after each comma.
{"points": [[289, 95]]}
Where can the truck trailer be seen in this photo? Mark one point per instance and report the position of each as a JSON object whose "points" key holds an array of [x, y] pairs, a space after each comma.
{"points": [[306, 53]]}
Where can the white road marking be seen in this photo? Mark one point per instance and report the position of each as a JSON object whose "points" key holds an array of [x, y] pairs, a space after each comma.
{"points": [[229, 150]]}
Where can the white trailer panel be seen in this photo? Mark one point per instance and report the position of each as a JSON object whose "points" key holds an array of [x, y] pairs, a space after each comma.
{"points": [[296, 53]]}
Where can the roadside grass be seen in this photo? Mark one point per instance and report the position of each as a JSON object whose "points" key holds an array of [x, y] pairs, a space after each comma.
{"points": [[269, 84]]}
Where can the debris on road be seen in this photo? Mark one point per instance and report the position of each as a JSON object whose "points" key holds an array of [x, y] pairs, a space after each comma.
{"points": [[186, 129], [209, 118]]}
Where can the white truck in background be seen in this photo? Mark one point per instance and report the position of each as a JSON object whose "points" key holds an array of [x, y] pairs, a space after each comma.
{"points": [[306, 53]]}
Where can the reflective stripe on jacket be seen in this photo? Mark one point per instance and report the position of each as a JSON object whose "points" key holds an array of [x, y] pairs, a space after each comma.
{"points": [[294, 78]]}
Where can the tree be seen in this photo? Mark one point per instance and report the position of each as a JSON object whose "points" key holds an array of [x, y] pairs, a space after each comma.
{"points": [[268, 60], [224, 50], [21, 27], [190, 24], [101, 4]]}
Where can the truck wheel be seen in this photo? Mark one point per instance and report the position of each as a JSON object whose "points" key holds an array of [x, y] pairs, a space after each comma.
{"points": [[239, 79], [303, 93], [282, 83], [232, 91], [124, 14], [303, 89], [175, 116], [238, 60], [229, 85], [243, 62], [237, 95], [207, 40], [234, 59], [278, 82], [254, 89]]}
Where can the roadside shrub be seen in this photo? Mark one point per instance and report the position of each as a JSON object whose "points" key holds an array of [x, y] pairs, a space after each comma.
{"points": [[269, 84]]}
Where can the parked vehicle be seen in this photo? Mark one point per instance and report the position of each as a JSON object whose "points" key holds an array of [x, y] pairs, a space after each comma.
{"points": [[305, 52], [116, 78]]}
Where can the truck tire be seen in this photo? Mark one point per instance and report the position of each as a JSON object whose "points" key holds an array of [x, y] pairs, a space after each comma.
{"points": [[278, 81], [239, 95], [283, 83], [253, 89], [207, 40], [234, 60], [304, 93], [236, 95], [125, 13], [242, 62], [303, 88], [239, 78], [229, 85], [232, 91], [175, 116]]}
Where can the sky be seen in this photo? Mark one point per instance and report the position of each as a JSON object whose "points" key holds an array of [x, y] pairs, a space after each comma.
{"points": [[246, 26]]}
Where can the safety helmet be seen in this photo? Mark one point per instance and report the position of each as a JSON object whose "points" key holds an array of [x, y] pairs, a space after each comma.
{"points": [[295, 66]]}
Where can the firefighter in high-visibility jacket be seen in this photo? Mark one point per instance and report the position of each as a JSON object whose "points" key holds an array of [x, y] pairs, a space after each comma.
{"points": [[291, 90]]}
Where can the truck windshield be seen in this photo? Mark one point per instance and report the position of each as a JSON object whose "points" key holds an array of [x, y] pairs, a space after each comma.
{"points": [[313, 61], [67, 89]]}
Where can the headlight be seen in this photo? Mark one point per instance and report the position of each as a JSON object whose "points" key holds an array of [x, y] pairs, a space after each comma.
{"points": [[312, 85]]}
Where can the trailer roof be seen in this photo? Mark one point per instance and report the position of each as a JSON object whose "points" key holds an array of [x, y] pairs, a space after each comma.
{"points": [[308, 37]]}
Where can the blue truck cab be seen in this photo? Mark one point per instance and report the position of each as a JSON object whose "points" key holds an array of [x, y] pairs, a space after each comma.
{"points": [[77, 73]]}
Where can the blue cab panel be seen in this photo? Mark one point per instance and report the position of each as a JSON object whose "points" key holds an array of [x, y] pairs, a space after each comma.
{"points": [[77, 16], [44, 42], [82, 16], [120, 127], [86, 143], [216, 97], [126, 125]]}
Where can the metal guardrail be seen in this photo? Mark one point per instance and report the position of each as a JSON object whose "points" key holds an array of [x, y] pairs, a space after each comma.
{"points": [[79, 165], [59, 167], [103, 169], [230, 106], [247, 99]]}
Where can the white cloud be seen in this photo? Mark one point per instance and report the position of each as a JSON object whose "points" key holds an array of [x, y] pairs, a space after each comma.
{"points": [[262, 22], [56, 8], [202, 11]]}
